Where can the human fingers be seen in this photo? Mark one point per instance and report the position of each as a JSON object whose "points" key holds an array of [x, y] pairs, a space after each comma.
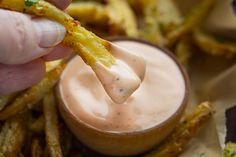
{"points": [[60, 51], [18, 77], [24, 38]]}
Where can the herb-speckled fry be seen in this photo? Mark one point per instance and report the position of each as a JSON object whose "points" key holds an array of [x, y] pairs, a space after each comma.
{"points": [[230, 150], [33, 94], [214, 46], [187, 129], [151, 31], [90, 47], [14, 133], [89, 12], [184, 50], [51, 126], [168, 15], [122, 17], [197, 14], [5, 99]]}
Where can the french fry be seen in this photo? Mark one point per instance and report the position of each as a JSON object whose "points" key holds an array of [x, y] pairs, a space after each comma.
{"points": [[197, 14], [33, 94], [51, 126], [89, 12], [38, 125], [36, 148], [86, 44], [184, 50], [214, 46], [53, 64], [183, 133], [5, 99], [122, 17], [13, 135], [151, 31], [230, 150], [169, 16]]}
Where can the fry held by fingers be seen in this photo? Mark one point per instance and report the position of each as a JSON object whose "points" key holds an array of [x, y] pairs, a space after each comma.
{"points": [[95, 51]]}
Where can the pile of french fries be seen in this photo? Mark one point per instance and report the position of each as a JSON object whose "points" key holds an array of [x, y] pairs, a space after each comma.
{"points": [[30, 122]]}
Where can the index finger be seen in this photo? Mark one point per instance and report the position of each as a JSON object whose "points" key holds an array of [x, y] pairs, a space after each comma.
{"points": [[62, 4]]}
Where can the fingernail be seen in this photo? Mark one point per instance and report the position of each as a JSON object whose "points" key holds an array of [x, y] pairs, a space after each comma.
{"points": [[50, 33]]}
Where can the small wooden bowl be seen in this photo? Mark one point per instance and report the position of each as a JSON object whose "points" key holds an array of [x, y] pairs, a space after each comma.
{"points": [[124, 144]]}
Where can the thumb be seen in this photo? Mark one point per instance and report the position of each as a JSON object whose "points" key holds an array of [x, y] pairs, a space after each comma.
{"points": [[24, 38]]}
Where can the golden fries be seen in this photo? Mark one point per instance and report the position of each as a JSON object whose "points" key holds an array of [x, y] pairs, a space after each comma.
{"points": [[156, 21], [90, 47], [33, 94], [166, 19], [51, 126], [89, 12], [184, 50], [13, 135], [121, 15], [230, 150], [151, 29], [214, 46], [5, 99], [188, 128], [197, 14]]}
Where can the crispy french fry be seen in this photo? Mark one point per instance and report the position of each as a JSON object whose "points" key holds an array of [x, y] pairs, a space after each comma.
{"points": [[51, 126], [151, 31], [122, 17], [38, 125], [89, 12], [197, 14], [230, 150], [169, 16], [90, 47], [13, 135], [33, 94], [184, 50], [5, 99], [212, 45], [36, 148], [187, 129]]}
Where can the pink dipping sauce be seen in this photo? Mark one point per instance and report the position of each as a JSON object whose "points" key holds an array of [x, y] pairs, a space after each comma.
{"points": [[158, 97]]}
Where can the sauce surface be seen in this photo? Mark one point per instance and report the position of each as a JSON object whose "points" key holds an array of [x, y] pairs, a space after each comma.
{"points": [[158, 97]]}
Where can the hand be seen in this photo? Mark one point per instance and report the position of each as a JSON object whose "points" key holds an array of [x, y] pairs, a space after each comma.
{"points": [[26, 42]]}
